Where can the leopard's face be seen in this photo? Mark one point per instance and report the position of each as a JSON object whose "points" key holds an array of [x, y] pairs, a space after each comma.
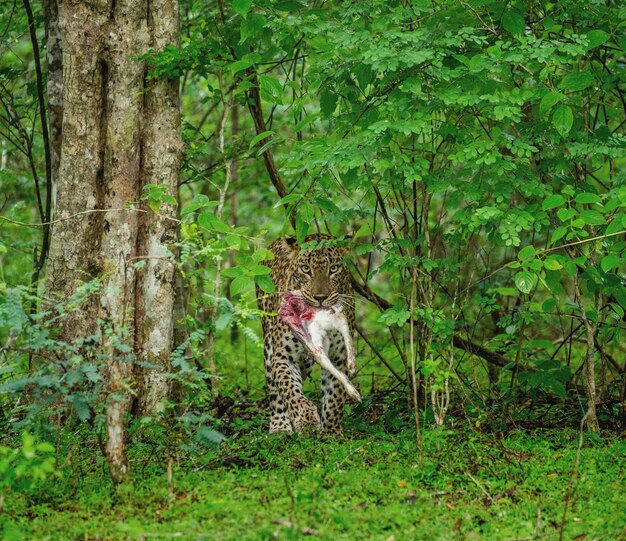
{"points": [[321, 276]]}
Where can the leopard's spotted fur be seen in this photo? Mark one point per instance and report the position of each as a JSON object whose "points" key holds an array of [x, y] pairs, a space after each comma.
{"points": [[324, 280]]}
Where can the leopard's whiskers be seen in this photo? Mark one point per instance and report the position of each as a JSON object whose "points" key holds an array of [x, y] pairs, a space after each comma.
{"points": [[353, 298]]}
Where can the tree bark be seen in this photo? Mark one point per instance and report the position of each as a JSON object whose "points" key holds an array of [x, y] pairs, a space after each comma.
{"points": [[119, 132], [162, 157]]}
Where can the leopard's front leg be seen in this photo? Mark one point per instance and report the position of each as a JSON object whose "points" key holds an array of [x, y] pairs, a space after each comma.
{"points": [[287, 377]]}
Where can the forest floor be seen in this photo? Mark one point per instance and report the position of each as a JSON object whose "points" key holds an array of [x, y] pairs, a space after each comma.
{"points": [[467, 484]]}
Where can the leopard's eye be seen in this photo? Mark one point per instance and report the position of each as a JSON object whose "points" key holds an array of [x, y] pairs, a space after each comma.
{"points": [[305, 268], [334, 268]]}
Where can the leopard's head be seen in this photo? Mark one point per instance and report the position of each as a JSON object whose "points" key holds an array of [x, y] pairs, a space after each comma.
{"points": [[320, 274]]}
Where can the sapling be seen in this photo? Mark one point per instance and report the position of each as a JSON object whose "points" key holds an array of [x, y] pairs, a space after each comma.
{"points": [[311, 325]]}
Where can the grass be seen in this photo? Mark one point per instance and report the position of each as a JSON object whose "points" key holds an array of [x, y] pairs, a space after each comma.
{"points": [[470, 485]]}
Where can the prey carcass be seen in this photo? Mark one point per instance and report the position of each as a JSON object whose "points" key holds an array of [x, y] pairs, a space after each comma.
{"points": [[311, 325]]}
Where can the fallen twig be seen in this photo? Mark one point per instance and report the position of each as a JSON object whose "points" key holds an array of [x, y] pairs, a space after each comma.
{"points": [[304, 530]]}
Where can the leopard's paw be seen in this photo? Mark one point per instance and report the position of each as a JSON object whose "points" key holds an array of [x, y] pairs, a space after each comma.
{"points": [[307, 419]]}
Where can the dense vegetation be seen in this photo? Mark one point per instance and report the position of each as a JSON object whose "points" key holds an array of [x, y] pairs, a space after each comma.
{"points": [[472, 156]]}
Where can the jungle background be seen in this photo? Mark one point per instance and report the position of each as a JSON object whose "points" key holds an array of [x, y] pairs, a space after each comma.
{"points": [[471, 155]]}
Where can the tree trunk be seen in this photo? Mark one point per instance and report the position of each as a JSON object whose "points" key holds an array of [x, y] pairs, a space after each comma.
{"points": [[118, 134], [162, 156]]}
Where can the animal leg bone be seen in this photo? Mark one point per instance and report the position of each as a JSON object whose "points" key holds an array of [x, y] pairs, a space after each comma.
{"points": [[310, 325]]}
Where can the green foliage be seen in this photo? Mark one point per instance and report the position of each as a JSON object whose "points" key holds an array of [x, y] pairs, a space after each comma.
{"points": [[482, 487], [156, 194], [464, 145], [21, 150], [477, 151], [67, 379], [22, 467]]}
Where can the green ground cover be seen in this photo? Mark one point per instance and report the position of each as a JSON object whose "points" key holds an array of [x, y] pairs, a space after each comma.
{"points": [[470, 485]]}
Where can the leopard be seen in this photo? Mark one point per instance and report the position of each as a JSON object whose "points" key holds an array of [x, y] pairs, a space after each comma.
{"points": [[324, 281]]}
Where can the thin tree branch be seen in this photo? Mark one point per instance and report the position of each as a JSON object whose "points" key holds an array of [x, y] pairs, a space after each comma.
{"points": [[256, 111], [43, 254], [457, 341], [377, 353], [25, 224]]}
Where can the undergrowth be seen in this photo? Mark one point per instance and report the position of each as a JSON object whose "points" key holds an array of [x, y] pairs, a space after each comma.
{"points": [[466, 484]]}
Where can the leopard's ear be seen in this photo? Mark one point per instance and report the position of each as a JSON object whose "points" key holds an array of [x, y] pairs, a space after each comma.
{"points": [[292, 242], [349, 236]]}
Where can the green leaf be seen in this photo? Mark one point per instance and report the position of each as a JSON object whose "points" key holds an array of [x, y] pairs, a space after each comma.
{"points": [[548, 305], [154, 205], [525, 281], [271, 89], [620, 296], [615, 225], [398, 316], [304, 216], [205, 221], [262, 255], [260, 137], [587, 198], [553, 281], [363, 74], [565, 214], [596, 38], [80, 406], [242, 6], [291, 198], [199, 201], [592, 217], [234, 241], [562, 119], [557, 387], [220, 226], [506, 291], [241, 283], [552, 202], [269, 144], [251, 26], [549, 101], [206, 436], [210, 223], [233, 272], [240, 65], [609, 262], [617, 309], [526, 252], [259, 270], [223, 320], [265, 283], [558, 234], [308, 119], [552, 264], [513, 22], [328, 103], [91, 372], [364, 249], [577, 81], [167, 198], [302, 228]]}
